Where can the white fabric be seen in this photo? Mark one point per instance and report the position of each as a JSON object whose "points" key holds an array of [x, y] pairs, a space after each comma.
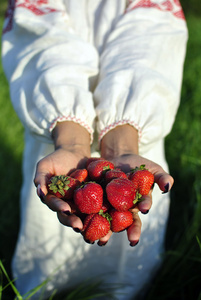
{"points": [[100, 64], [47, 248]]}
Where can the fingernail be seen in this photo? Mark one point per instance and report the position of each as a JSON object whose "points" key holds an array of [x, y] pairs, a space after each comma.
{"points": [[89, 242], [67, 212], [40, 193], [77, 230], [101, 244], [38, 190], [145, 212], [134, 243], [166, 188]]}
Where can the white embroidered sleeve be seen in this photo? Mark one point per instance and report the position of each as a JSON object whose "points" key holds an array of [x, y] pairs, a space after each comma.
{"points": [[141, 70], [48, 66]]}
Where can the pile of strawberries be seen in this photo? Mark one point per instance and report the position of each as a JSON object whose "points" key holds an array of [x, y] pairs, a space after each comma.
{"points": [[102, 195]]}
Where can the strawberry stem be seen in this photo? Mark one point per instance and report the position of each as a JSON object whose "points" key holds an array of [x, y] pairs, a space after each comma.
{"points": [[105, 215], [106, 168], [137, 198], [142, 167], [59, 184]]}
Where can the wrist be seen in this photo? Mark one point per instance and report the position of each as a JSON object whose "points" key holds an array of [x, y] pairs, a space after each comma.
{"points": [[120, 141], [72, 137]]}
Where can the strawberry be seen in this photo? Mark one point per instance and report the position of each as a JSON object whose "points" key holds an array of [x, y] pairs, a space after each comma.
{"points": [[115, 173], [96, 226], [142, 179], [106, 205], [74, 209], [90, 159], [62, 186], [80, 174], [89, 197], [120, 220], [121, 193], [97, 169]]}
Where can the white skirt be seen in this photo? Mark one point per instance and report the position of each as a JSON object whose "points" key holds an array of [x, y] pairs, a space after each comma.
{"points": [[47, 249]]}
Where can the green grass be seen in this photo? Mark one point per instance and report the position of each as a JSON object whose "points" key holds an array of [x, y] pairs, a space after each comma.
{"points": [[179, 277], [11, 137]]}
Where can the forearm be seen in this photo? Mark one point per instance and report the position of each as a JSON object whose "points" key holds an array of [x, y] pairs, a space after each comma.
{"points": [[119, 141], [72, 137]]}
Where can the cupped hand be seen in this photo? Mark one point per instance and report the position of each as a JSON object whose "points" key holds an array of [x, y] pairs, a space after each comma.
{"points": [[165, 181], [60, 162], [120, 146], [113, 149]]}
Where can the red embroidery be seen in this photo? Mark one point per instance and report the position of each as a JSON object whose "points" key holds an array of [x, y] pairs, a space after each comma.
{"points": [[38, 7], [168, 5], [177, 3], [34, 6]]}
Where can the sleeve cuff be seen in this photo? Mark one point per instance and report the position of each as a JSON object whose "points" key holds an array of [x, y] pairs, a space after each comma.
{"points": [[72, 119], [119, 123]]}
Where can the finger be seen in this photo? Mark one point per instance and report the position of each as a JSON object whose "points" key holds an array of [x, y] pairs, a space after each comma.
{"points": [[164, 180], [70, 221], [145, 204], [134, 231], [41, 179], [103, 241], [56, 204], [41, 187], [42, 175], [134, 210]]}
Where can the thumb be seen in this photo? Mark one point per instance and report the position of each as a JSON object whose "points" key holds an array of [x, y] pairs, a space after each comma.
{"points": [[164, 180], [40, 182]]}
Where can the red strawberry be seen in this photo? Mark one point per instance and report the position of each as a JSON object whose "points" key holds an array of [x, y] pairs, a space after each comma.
{"points": [[62, 186], [97, 169], [142, 179], [115, 173], [89, 197], [80, 174], [90, 159], [106, 205], [120, 220], [96, 226], [121, 193]]}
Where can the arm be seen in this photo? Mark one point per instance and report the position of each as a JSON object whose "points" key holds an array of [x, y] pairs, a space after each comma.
{"points": [[48, 67], [140, 82], [72, 148], [141, 73], [120, 145]]}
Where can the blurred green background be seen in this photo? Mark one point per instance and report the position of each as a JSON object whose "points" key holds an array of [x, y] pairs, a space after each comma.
{"points": [[180, 274]]}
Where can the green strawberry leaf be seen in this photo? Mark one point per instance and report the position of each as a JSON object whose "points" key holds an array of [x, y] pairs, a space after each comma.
{"points": [[138, 198], [105, 215], [59, 184], [142, 167]]}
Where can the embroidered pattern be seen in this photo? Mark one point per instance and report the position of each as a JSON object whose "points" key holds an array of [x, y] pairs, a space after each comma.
{"points": [[115, 124], [38, 7], [74, 119], [172, 6]]}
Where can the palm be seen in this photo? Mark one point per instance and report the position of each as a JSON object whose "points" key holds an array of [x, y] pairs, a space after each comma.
{"points": [[130, 161], [62, 162], [57, 163]]}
